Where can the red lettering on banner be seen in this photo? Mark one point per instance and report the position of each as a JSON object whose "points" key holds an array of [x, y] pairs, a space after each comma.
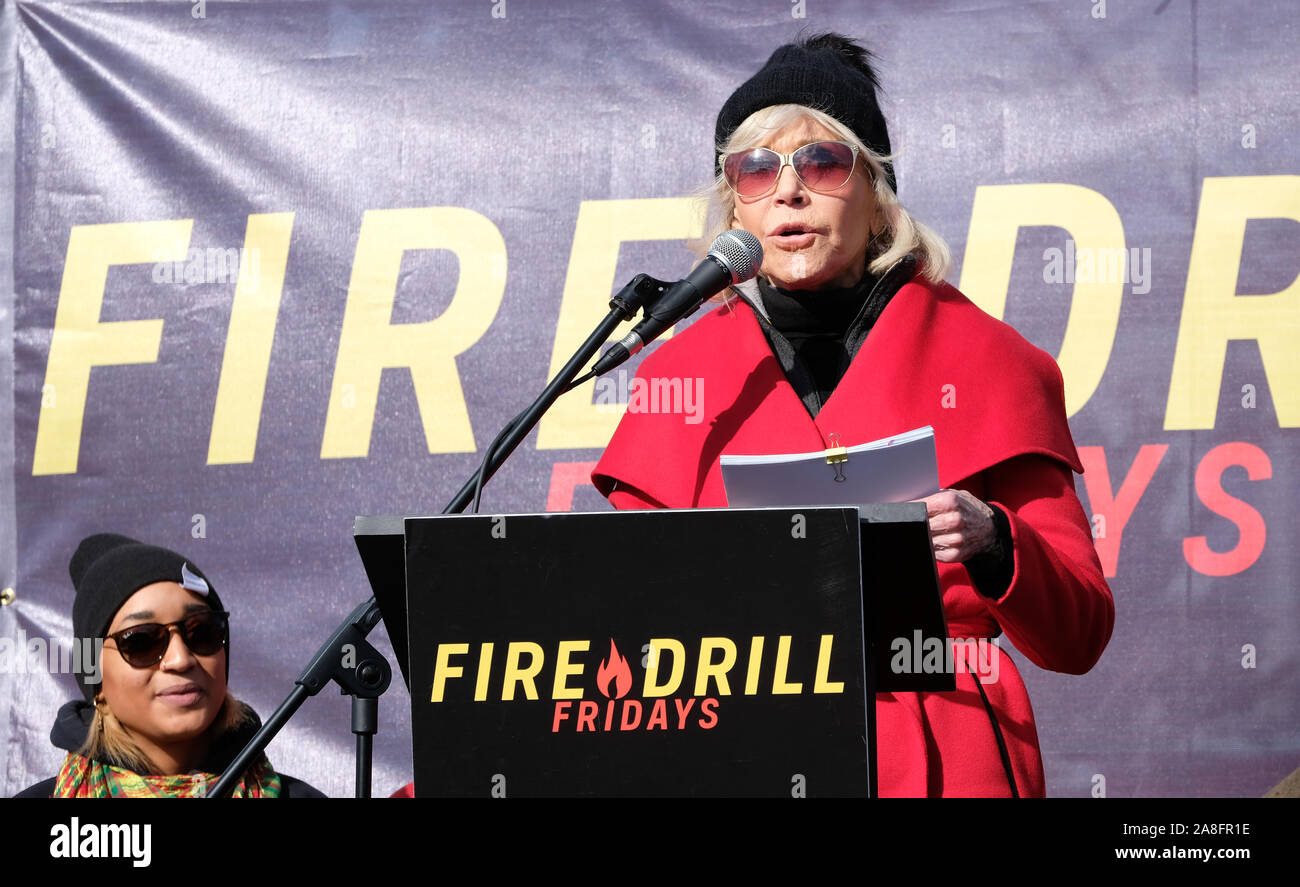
{"points": [[630, 706], [1116, 509], [629, 715], [1250, 524], [658, 715], [565, 477]]}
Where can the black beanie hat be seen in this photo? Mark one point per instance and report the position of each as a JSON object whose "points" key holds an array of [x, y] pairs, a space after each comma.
{"points": [[828, 72], [107, 569]]}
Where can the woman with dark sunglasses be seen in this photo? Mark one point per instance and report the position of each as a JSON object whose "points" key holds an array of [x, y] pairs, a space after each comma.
{"points": [[158, 720], [850, 333]]}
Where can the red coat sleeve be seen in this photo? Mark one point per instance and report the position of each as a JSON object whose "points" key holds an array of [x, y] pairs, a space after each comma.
{"points": [[625, 497], [1058, 609]]}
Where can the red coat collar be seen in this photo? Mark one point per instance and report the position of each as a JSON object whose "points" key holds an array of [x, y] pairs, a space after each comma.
{"points": [[933, 358]]}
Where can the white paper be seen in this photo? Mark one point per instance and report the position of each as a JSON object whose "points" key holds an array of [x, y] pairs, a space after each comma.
{"points": [[894, 469]]}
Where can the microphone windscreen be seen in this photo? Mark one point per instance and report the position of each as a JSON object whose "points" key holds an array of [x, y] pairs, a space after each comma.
{"points": [[740, 252]]}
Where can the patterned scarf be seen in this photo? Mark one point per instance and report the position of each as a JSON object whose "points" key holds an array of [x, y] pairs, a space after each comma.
{"points": [[81, 777]]}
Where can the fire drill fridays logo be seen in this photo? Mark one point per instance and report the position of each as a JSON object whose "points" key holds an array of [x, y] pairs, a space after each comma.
{"points": [[715, 659]]}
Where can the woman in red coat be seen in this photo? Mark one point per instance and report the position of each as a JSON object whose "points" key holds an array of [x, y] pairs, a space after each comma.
{"points": [[849, 330]]}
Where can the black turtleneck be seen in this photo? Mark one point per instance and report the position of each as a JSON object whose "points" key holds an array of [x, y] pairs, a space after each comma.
{"points": [[817, 323]]}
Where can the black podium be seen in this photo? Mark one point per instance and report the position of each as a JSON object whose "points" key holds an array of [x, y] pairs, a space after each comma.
{"points": [[709, 652]]}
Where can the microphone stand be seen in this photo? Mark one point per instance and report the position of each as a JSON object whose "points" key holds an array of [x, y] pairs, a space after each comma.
{"points": [[347, 658]]}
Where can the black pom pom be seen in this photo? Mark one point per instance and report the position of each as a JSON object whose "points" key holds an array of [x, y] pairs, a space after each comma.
{"points": [[850, 52]]}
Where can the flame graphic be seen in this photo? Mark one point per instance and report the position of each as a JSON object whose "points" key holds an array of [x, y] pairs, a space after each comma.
{"points": [[614, 668]]}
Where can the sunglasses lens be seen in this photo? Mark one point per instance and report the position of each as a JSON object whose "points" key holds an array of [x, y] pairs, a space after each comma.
{"points": [[143, 645], [751, 173], [204, 633], [824, 166], [821, 166]]}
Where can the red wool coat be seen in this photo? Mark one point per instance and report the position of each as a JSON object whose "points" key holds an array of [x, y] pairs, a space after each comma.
{"points": [[997, 406]]}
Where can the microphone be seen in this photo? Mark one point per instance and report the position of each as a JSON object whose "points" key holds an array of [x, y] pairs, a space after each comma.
{"points": [[733, 258]]}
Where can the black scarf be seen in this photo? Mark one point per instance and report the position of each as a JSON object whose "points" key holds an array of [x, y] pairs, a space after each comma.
{"points": [[816, 333]]}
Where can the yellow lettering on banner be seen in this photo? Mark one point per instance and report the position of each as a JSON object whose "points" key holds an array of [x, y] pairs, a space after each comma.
{"points": [[1213, 313], [238, 411], [484, 671], [443, 669], [520, 674], [779, 684], [80, 341], [755, 663], [369, 343], [661, 646], [575, 422], [999, 212], [716, 670], [822, 683], [564, 668]]}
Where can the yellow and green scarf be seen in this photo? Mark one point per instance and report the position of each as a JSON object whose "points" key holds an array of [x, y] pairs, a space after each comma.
{"points": [[80, 777]]}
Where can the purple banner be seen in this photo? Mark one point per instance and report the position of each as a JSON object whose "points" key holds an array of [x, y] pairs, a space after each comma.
{"points": [[275, 265]]}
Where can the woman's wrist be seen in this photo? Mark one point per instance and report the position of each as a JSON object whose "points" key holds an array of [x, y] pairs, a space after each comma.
{"points": [[992, 569]]}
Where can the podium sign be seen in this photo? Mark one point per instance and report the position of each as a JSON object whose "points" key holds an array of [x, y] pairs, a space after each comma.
{"points": [[643, 653]]}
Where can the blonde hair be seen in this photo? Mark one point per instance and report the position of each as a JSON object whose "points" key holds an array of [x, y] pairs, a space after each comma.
{"points": [[901, 234], [108, 740]]}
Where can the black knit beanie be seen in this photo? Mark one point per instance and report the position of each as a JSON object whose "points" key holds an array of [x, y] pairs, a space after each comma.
{"points": [[828, 72], [107, 569]]}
